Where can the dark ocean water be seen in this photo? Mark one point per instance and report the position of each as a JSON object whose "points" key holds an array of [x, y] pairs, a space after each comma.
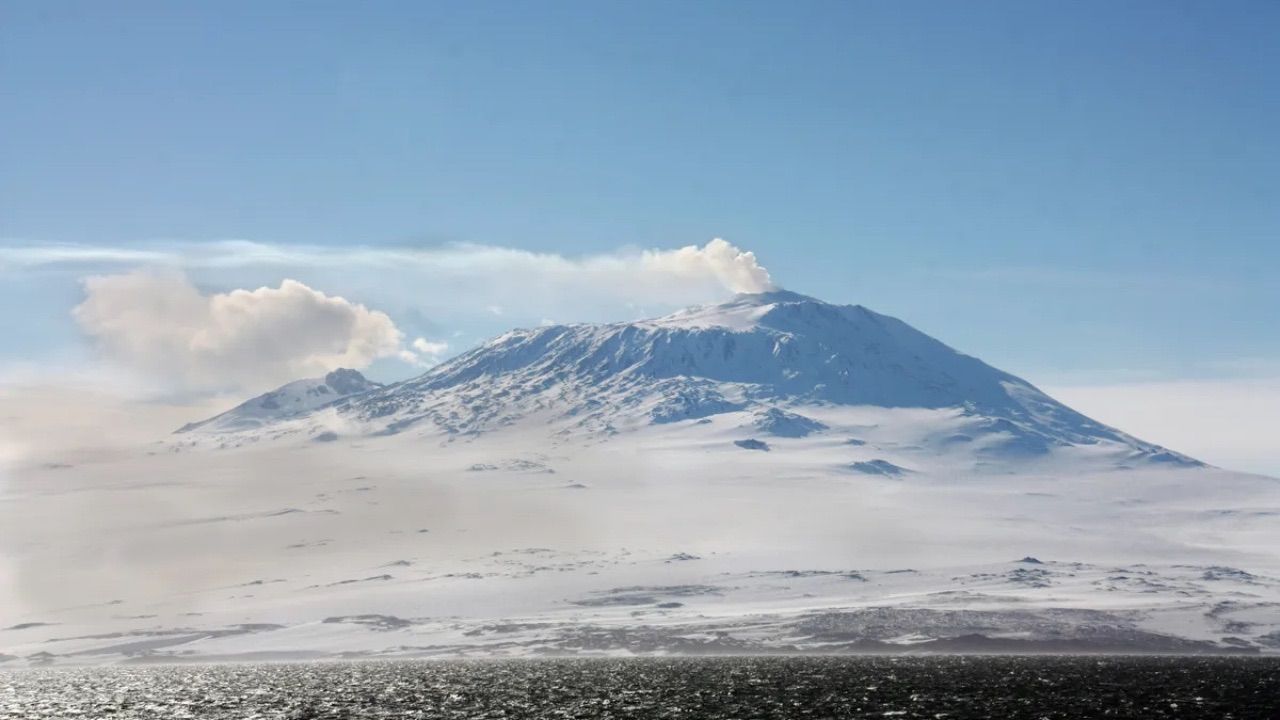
{"points": [[848, 687]]}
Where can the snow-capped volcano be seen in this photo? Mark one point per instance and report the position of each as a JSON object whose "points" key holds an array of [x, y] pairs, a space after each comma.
{"points": [[779, 356], [771, 474]]}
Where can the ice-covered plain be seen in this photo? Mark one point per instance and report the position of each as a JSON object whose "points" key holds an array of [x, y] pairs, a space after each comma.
{"points": [[773, 474]]}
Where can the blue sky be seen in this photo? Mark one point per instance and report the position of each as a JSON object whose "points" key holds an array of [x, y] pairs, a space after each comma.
{"points": [[1077, 192]]}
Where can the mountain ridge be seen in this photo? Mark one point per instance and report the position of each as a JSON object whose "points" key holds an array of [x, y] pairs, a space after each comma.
{"points": [[289, 400], [756, 353]]}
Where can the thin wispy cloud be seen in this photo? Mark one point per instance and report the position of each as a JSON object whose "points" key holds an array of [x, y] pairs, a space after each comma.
{"points": [[717, 262], [19, 256]]}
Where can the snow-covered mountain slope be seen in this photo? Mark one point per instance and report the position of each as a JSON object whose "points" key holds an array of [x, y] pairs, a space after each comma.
{"points": [[289, 401], [668, 539], [774, 474], [781, 356]]}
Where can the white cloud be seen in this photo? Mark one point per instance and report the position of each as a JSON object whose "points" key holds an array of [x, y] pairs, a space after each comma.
{"points": [[160, 325], [427, 347], [1227, 422], [424, 353]]}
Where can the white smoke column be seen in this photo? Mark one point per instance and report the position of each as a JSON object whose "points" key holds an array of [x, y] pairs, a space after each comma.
{"points": [[162, 326], [734, 268]]}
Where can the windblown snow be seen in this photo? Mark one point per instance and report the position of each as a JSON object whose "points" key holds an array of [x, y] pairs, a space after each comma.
{"points": [[770, 474]]}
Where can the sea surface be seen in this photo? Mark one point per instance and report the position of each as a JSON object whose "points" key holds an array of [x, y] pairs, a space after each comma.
{"points": [[692, 688]]}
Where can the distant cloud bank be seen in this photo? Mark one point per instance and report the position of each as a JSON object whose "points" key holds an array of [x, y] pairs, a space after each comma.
{"points": [[1230, 422]]}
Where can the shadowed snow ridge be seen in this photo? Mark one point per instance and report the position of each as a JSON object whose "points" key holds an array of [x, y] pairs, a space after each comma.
{"points": [[288, 401]]}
